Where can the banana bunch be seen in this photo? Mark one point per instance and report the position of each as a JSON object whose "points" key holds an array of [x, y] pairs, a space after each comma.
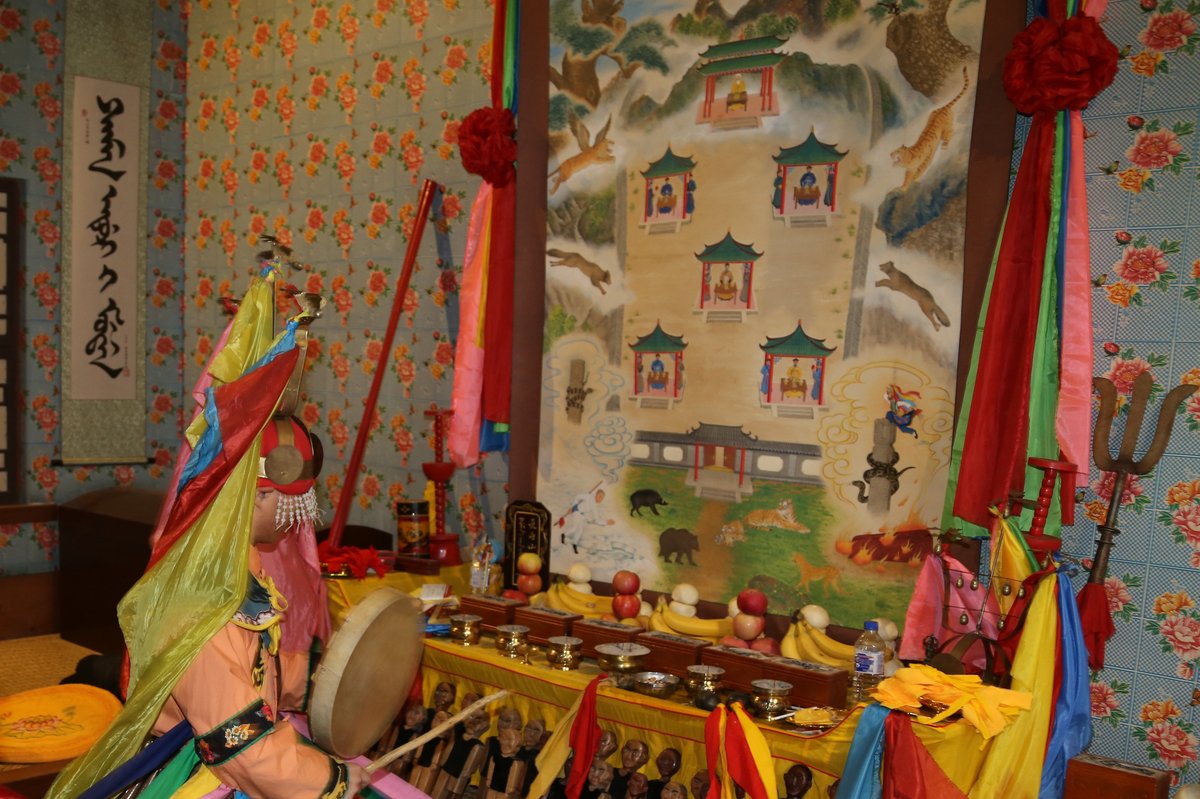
{"points": [[561, 596], [665, 620], [805, 642]]}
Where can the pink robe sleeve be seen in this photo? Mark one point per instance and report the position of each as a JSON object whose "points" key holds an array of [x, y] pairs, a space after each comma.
{"points": [[217, 691]]}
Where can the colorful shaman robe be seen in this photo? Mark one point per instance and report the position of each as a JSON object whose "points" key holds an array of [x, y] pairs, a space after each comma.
{"points": [[232, 695]]}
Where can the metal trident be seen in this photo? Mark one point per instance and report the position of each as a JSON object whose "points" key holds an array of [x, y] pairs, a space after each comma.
{"points": [[1124, 464]]}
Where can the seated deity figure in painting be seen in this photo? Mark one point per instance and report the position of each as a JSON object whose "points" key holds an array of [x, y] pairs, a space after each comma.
{"points": [[726, 289]]}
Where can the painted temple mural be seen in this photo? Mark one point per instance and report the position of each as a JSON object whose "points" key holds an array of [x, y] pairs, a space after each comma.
{"points": [[754, 258]]}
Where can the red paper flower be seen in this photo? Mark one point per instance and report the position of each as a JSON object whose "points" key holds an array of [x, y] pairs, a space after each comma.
{"points": [[487, 145], [1054, 68]]}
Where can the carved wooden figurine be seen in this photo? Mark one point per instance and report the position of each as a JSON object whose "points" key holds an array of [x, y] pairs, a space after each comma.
{"points": [[532, 738], [667, 763], [700, 784], [504, 771], [634, 755], [796, 781], [466, 753], [600, 777], [431, 756]]}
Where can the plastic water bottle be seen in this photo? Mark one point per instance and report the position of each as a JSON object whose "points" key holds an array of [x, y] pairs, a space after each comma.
{"points": [[868, 665]]}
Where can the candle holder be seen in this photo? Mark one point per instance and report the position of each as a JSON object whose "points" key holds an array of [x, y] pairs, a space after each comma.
{"points": [[443, 547]]}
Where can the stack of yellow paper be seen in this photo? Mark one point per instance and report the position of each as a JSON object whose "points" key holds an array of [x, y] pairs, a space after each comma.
{"points": [[984, 707]]}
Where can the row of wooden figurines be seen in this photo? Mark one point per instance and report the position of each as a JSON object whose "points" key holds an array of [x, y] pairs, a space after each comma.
{"points": [[446, 766]]}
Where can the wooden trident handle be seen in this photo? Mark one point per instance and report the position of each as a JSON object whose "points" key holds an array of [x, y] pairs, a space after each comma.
{"points": [[435, 732]]}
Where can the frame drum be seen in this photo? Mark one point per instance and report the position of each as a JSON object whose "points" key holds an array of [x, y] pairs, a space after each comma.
{"points": [[364, 677]]}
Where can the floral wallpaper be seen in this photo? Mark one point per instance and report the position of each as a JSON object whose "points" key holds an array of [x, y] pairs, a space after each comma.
{"points": [[32, 37], [316, 121], [1141, 153]]}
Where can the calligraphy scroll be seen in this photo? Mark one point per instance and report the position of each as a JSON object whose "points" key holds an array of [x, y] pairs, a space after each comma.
{"points": [[104, 338]]}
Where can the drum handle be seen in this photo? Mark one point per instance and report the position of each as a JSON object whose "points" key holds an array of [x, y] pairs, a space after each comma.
{"points": [[435, 732]]}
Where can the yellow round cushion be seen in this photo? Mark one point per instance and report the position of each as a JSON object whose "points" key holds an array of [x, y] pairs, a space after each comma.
{"points": [[58, 722]]}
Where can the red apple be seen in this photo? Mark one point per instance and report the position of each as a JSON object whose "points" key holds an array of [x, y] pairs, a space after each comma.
{"points": [[626, 606], [734, 641], [626, 582], [512, 593], [767, 645], [747, 627], [529, 563], [529, 583], [752, 601]]}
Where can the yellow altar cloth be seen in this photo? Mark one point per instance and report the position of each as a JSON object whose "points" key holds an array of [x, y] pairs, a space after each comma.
{"points": [[537, 690], [346, 592]]}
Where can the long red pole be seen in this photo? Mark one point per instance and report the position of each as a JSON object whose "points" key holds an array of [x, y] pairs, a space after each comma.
{"points": [[360, 442]]}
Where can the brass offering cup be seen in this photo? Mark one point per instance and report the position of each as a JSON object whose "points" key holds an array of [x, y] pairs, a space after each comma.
{"points": [[564, 652], [771, 697], [621, 661], [465, 629], [703, 678], [655, 683], [512, 640]]}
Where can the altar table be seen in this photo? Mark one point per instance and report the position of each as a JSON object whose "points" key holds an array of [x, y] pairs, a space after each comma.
{"points": [[539, 691]]}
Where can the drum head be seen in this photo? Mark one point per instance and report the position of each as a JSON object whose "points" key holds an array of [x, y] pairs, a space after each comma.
{"points": [[365, 674]]}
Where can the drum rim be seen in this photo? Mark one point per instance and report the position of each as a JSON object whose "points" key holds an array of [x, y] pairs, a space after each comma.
{"points": [[336, 657]]}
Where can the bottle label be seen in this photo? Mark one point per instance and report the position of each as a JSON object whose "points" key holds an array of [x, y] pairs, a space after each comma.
{"points": [[868, 662]]}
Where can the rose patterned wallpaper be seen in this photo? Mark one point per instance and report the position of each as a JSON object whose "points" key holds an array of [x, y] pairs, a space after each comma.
{"points": [[32, 37], [315, 120], [1144, 204]]}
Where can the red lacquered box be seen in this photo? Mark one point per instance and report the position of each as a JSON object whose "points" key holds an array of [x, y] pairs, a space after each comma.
{"points": [[742, 666], [671, 653], [545, 623], [493, 610], [599, 631], [813, 684]]}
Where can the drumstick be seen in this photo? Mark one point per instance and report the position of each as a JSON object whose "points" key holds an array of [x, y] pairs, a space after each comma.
{"points": [[435, 732]]}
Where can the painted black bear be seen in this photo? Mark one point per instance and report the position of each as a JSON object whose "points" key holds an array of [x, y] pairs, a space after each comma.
{"points": [[678, 542]]}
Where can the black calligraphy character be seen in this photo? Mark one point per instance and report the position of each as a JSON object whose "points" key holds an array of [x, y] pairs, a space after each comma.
{"points": [[108, 321], [108, 141], [109, 276], [103, 225]]}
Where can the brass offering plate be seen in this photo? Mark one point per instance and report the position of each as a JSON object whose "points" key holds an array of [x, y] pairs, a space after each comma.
{"points": [[816, 719]]}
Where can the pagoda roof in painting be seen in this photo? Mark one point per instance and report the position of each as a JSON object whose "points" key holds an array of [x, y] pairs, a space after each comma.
{"points": [[759, 44], [797, 343], [810, 151], [746, 63], [728, 250], [721, 435], [658, 341], [669, 164]]}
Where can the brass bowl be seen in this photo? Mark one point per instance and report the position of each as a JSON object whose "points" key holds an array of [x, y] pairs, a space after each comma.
{"points": [[465, 629], [511, 640], [655, 683], [703, 678], [771, 696], [621, 661], [564, 652]]}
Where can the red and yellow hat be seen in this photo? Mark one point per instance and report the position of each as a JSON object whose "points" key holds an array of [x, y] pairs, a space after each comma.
{"points": [[290, 456]]}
